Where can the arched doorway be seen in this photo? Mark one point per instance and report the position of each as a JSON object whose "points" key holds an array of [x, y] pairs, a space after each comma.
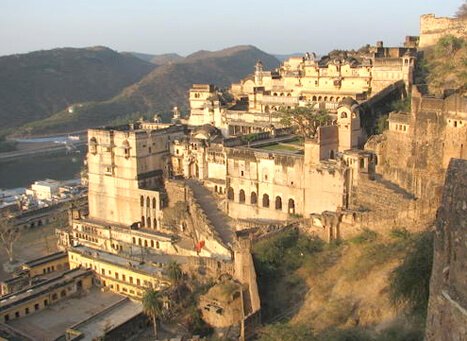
{"points": [[291, 206]]}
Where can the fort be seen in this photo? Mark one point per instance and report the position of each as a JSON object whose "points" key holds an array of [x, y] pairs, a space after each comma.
{"points": [[201, 189], [432, 28]]}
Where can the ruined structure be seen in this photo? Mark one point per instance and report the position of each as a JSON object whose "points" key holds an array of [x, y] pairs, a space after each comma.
{"points": [[432, 28], [447, 310]]}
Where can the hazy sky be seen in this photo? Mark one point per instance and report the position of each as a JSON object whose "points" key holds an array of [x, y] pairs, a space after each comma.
{"points": [[161, 26]]}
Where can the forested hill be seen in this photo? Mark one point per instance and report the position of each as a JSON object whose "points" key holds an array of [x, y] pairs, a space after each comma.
{"points": [[160, 90], [36, 85]]}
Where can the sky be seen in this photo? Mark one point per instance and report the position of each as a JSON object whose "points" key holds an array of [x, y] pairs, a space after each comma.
{"points": [[186, 26]]}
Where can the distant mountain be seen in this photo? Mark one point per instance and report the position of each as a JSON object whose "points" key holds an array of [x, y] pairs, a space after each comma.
{"points": [[158, 59], [162, 59], [162, 89], [36, 85], [143, 56]]}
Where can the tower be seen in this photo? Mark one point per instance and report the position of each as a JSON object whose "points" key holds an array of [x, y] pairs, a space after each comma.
{"points": [[259, 73], [348, 122]]}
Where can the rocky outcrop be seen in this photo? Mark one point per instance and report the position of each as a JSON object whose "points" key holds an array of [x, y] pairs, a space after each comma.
{"points": [[447, 310]]}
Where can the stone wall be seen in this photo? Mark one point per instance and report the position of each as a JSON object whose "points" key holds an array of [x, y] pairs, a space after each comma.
{"points": [[198, 223], [447, 310], [433, 28], [416, 160]]}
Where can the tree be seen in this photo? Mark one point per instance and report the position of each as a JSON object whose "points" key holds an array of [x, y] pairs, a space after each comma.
{"points": [[152, 306], [448, 45], [174, 271], [306, 119], [175, 274], [9, 234], [462, 11]]}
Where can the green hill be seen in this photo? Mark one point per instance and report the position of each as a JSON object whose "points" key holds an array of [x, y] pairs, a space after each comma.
{"points": [[160, 90], [36, 85]]}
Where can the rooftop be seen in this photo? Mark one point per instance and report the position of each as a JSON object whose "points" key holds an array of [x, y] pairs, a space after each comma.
{"points": [[38, 289], [113, 316], [51, 323], [153, 263], [45, 259]]}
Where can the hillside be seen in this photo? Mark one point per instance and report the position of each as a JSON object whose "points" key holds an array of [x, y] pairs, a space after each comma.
{"points": [[443, 66], [369, 288], [159, 91], [38, 84]]}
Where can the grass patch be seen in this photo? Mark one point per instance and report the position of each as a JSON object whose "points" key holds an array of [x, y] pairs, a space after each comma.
{"points": [[280, 147]]}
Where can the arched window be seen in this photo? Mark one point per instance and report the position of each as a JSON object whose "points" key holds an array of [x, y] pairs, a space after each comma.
{"points": [[152, 243], [215, 188], [153, 202], [278, 203], [126, 149], [265, 200], [344, 115], [230, 194], [314, 99], [154, 223], [93, 145], [141, 201], [148, 202], [291, 206], [319, 98], [331, 99], [148, 220], [253, 198], [241, 196], [157, 244], [325, 98], [142, 221]]}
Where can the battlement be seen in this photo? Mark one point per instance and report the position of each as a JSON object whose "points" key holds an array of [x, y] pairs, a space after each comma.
{"points": [[432, 28]]}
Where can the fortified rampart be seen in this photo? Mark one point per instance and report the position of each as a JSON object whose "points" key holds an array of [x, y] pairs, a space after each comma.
{"points": [[433, 28], [447, 309], [416, 157]]}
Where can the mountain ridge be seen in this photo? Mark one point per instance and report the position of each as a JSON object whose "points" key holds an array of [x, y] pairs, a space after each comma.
{"points": [[160, 90], [37, 84]]}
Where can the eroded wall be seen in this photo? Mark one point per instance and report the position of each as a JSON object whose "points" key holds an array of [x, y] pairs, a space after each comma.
{"points": [[447, 310]]}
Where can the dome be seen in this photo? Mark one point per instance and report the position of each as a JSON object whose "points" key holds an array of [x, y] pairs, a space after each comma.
{"points": [[348, 102], [205, 131]]}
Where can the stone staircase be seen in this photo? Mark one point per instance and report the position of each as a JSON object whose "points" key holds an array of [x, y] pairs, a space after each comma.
{"points": [[221, 222], [380, 196]]}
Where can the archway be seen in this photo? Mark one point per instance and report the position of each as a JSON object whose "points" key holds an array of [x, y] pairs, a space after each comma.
{"points": [[241, 196], [253, 198], [278, 203], [291, 206]]}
